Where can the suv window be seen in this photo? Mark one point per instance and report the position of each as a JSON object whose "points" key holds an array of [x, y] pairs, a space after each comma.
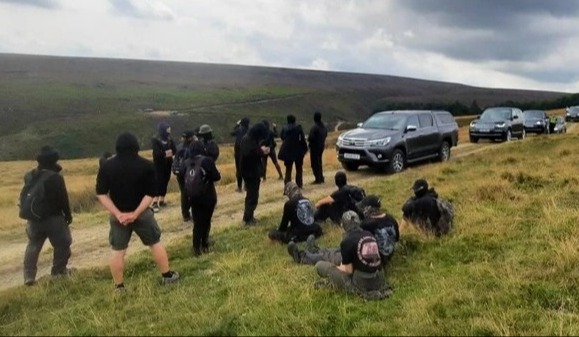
{"points": [[425, 120], [444, 118], [413, 120]]}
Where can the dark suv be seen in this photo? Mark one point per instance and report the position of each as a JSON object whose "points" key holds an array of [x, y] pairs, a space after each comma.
{"points": [[536, 121], [497, 123], [392, 139]]}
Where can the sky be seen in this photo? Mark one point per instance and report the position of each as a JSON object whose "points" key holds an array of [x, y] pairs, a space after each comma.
{"points": [[519, 44]]}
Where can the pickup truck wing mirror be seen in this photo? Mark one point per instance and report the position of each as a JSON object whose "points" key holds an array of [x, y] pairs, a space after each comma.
{"points": [[359, 124], [411, 128], [515, 117]]}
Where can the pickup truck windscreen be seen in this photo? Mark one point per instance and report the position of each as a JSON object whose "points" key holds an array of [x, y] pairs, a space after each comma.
{"points": [[386, 122]]}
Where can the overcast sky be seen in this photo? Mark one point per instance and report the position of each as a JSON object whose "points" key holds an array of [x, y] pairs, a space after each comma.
{"points": [[523, 44]]}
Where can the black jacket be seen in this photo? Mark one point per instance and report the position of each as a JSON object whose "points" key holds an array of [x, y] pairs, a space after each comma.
{"points": [[294, 145], [251, 154], [317, 137], [418, 209], [56, 193]]}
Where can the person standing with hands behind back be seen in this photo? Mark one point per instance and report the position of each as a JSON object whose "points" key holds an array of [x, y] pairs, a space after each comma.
{"points": [[293, 149], [163, 150], [240, 129], [124, 186], [317, 140]]}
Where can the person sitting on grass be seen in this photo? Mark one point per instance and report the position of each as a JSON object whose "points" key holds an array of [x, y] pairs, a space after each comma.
{"points": [[427, 211], [297, 221], [360, 270]]}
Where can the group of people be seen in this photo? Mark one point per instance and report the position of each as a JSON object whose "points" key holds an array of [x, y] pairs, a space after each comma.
{"points": [[254, 144], [133, 189]]}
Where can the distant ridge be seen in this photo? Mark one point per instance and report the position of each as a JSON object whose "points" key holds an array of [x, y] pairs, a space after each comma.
{"points": [[80, 104]]}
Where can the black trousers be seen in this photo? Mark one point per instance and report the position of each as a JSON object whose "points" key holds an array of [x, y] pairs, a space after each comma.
{"points": [[185, 206], [273, 158], [202, 211], [238, 176], [317, 168], [331, 211], [251, 197], [299, 172], [300, 236]]}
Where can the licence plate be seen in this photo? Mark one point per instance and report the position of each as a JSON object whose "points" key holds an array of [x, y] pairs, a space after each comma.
{"points": [[352, 156], [484, 130]]}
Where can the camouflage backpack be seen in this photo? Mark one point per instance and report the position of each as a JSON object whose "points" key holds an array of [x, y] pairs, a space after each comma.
{"points": [[446, 211]]}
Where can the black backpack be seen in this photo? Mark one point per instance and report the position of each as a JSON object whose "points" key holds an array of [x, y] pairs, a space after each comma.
{"points": [[32, 202], [195, 178], [355, 194], [178, 166]]}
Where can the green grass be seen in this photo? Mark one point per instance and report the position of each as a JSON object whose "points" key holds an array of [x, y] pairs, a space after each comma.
{"points": [[508, 268]]}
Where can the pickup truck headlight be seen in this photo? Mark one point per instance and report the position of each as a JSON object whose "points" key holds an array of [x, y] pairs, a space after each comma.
{"points": [[540, 122], [340, 140], [379, 142], [500, 125], [472, 124]]}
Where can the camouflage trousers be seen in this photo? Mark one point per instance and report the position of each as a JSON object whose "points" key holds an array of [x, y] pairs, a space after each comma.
{"points": [[369, 286]]}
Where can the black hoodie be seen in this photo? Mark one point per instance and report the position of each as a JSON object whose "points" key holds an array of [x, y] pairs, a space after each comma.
{"points": [[251, 154], [126, 177]]}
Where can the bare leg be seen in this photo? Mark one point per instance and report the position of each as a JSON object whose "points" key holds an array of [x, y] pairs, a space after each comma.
{"points": [[160, 257], [117, 265]]}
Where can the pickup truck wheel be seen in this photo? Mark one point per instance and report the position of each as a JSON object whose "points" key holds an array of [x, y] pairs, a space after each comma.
{"points": [[397, 162], [350, 166], [444, 152], [473, 139]]}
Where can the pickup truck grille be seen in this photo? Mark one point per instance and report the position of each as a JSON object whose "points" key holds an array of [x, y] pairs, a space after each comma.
{"points": [[355, 142]]}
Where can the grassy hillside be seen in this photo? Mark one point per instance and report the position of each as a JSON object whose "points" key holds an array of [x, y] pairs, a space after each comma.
{"points": [[509, 267], [79, 104]]}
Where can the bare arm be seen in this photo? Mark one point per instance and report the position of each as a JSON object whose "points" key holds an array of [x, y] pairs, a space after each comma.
{"points": [[325, 201], [346, 268]]}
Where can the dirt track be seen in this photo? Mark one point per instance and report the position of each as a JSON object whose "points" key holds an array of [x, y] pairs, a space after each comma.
{"points": [[90, 244]]}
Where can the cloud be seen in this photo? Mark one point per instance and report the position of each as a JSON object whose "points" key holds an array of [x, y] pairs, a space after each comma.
{"points": [[47, 4], [143, 9]]}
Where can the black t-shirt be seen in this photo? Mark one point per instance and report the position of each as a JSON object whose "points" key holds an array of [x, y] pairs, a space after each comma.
{"points": [[341, 199], [126, 179], [361, 250], [298, 215]]}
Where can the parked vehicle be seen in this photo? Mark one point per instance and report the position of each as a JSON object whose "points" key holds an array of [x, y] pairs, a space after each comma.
{"points": [[498, 123], [572, 114], [536, 121], [560, 126], [393, 139]]}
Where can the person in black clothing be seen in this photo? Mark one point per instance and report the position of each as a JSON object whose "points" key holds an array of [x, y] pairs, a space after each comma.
{"points": [[359, 273], [125, 186], [205, 134], [202, 208], [55, 226], [340, 201], [297, 221], [421, 209], [270, 142], [293, 149], [252, 151], [383, 226], [317, 143], [183, 152], [163, 150], [238, 132]]}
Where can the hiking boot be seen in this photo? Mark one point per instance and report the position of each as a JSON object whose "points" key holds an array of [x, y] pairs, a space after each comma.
{"points": [[66, 273], [311, 245], [29, 282], [120, 291], [294, 251], [251, 222], [171, 279]]}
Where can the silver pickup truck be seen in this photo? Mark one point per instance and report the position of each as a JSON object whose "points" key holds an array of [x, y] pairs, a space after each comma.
{"points": [[393, 139]]}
